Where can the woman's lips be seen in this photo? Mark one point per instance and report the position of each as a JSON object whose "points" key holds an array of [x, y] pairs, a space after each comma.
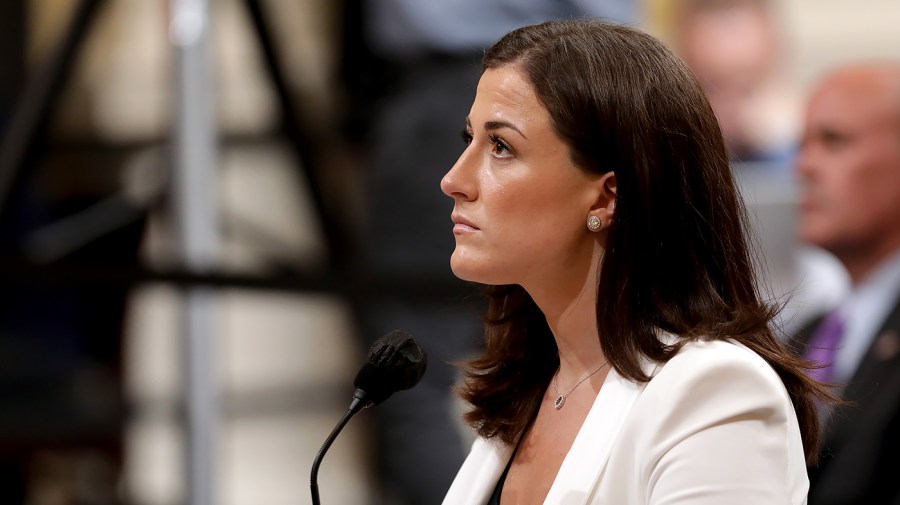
{"points": [[462, 225]]}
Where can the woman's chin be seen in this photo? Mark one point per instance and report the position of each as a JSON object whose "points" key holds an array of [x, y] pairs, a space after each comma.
{"points": [[466, 270], [462, 273]]}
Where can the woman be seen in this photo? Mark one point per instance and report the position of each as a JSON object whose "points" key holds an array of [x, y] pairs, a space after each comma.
{"points": [[629, 358]]}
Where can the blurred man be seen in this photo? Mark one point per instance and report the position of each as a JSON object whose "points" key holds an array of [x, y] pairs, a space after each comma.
{"points": [[734, 47], [736, 50], [849, 164]]}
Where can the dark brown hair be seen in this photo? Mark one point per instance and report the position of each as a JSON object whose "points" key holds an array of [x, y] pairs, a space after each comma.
{"points": [[677, 257]]}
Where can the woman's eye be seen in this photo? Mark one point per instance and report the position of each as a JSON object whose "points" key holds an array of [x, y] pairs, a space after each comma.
{"points": [[500, 147]]}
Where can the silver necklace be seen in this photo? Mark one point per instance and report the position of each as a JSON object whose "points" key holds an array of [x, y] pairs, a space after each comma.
{"points": [[561, 398]]}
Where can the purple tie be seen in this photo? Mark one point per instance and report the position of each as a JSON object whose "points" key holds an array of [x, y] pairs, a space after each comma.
{"points": [[823, 345]]}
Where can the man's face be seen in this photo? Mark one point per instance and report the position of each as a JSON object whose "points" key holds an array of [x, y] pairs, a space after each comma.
{"points": [[849, 164], [733, 53]]}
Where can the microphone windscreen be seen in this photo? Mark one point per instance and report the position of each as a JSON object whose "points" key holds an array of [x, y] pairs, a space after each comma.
{"points": [[395, 363]]}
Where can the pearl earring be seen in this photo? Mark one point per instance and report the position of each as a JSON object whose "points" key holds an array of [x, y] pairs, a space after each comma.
{"points": [[594, 223]]}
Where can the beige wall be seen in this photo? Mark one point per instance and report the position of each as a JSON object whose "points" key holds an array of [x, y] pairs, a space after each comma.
{"points": [[827, 33], [121, 90]]}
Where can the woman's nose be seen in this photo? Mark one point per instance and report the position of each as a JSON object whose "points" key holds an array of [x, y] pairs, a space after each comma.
{"points": [[456, 183]]}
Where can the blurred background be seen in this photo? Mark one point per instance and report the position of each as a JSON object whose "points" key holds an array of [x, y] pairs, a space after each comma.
{"points": [[317, 238]]}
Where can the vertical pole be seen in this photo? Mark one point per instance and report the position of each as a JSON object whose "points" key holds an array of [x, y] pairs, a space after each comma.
{"points": [[195, 204]]}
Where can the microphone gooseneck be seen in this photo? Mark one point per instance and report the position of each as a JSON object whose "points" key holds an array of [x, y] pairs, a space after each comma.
{"points": [[395, 363]]}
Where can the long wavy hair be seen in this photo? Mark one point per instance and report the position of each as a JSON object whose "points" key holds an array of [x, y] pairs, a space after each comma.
{"points": [[677, 255]]}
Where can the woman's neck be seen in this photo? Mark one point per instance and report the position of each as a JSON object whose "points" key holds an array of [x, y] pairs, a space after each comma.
{"points": [[575, 331], [571, 314]]}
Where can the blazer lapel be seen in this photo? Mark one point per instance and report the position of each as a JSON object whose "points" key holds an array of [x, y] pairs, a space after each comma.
{"points": [[479, 474], [590, 451]]}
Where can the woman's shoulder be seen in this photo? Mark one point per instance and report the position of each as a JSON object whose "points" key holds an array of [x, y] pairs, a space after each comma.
{"points": [[714, 384], [710, 401], [720, 349], [718, 366], [712, 353]]}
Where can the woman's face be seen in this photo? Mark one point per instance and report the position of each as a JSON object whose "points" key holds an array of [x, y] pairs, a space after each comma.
{"points": [[520, 204]]}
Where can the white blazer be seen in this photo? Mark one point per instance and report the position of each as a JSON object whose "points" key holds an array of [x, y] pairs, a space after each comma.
{"points": [[715, 426]]}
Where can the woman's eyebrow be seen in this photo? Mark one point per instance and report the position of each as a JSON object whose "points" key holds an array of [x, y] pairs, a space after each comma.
{"points": [[496, 125]]}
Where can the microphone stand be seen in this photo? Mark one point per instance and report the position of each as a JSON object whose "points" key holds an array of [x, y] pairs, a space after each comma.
{"points": [[395, 363], [356, 405]]}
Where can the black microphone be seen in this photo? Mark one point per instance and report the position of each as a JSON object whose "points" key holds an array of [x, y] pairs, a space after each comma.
{"points": [[395, 363]]}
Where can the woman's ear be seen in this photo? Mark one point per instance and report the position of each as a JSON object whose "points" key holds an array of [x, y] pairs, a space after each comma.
{"points": [[604, 206]]}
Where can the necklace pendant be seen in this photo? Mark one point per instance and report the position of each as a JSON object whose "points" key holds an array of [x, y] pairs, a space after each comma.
{"points": [[560, 400]]}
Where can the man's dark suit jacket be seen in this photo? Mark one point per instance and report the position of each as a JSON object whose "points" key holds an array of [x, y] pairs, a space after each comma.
{"points": [[861, 441]]}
